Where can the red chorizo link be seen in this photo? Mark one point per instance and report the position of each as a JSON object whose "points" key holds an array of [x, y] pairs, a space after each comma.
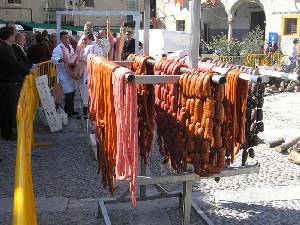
{"points": [[221, 158], [188, 83], [190, 144], [208, 133], [209, 108], [176, 68], [187, 105], [192, 107], [207, 86], [204, 153], [197, 126], [167, 65], [201, 132], [219, 112], [219, 93], [170, 69], [193, 85], [217, 136], [198, 110]]}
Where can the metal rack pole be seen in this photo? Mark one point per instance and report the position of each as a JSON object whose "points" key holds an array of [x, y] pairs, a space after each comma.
{"points": [[244, 76], [219, 79], [195, 33], [146, 26], [187, 178], [216, 78], [173, 79], [283, 75]]}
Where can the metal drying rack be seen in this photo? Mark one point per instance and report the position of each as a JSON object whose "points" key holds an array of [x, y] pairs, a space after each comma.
{"points": [[187, 178]]}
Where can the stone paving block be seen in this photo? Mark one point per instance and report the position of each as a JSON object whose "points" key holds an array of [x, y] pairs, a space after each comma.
{"points": [[84, 204], [53, 204], [6, 205], [266, 194]]}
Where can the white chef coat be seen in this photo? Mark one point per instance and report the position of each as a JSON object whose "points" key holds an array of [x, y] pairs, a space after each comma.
{"points": [[89, 49], [104, 43], [67, 83]]}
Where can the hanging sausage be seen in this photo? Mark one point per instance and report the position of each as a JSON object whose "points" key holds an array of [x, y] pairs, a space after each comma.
{"points": [[146, 110], [102, 112]]}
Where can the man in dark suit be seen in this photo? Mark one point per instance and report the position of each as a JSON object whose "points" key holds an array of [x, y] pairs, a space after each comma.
{"points": [[21, 55], [129, 45], [18, 47], [12, 72]]}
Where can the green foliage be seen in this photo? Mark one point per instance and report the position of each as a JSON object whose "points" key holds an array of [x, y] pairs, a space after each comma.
{"points": [[225, 47], [253, 42]]}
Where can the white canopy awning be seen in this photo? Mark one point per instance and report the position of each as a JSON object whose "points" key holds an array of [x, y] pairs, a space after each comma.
{"points": [[18, 26]]}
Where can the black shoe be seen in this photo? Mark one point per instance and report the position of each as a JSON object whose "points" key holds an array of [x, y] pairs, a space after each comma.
{"points": [[11, 137], [74, 113], [85, 109]]}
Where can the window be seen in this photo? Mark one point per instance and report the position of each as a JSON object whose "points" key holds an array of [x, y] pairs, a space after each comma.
{"points": [[130, 22], [56, 4], [14, 1], [290, 26], [65, 21], [180, 25], [89, 3]]}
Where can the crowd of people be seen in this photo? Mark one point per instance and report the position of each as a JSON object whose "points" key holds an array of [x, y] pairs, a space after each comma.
{"points": [[14, 66], [18, 58]]}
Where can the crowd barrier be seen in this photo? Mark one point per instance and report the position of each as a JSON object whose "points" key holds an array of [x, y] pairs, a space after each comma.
{"points": [[237, 60], [24, 212], [262, 59], [250, 60], [49, 69], [24, 203]]}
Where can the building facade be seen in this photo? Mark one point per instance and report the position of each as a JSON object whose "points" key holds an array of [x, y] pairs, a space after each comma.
{"points": [[236, 18], [43, 11]]}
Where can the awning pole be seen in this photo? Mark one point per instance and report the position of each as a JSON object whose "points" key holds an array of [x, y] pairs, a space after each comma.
{"points": [[195, 33], [146, 26], [58, 27]]}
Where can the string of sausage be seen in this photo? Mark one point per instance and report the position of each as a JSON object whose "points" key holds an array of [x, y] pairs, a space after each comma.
{"points": [[211, 157], [125, 102], [252, 126], [201, 117], [235, 104], [102, 111], [146, 109], [169, 138], [182, 143]]}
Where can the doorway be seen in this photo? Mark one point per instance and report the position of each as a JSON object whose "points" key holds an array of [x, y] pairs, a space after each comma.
{"points": [[206, 33], [258, 18]]}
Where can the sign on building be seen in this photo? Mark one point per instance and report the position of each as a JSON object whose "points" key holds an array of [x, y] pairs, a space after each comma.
{"points": [[273, 37]]}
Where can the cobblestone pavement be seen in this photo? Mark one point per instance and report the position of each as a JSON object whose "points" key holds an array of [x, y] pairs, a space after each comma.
{"points": [[270, 197], [66, 184]]}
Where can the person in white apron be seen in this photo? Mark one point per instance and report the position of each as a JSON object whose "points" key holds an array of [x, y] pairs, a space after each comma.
{"points": [[103, 42], [90, 48], [59, 57]]}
